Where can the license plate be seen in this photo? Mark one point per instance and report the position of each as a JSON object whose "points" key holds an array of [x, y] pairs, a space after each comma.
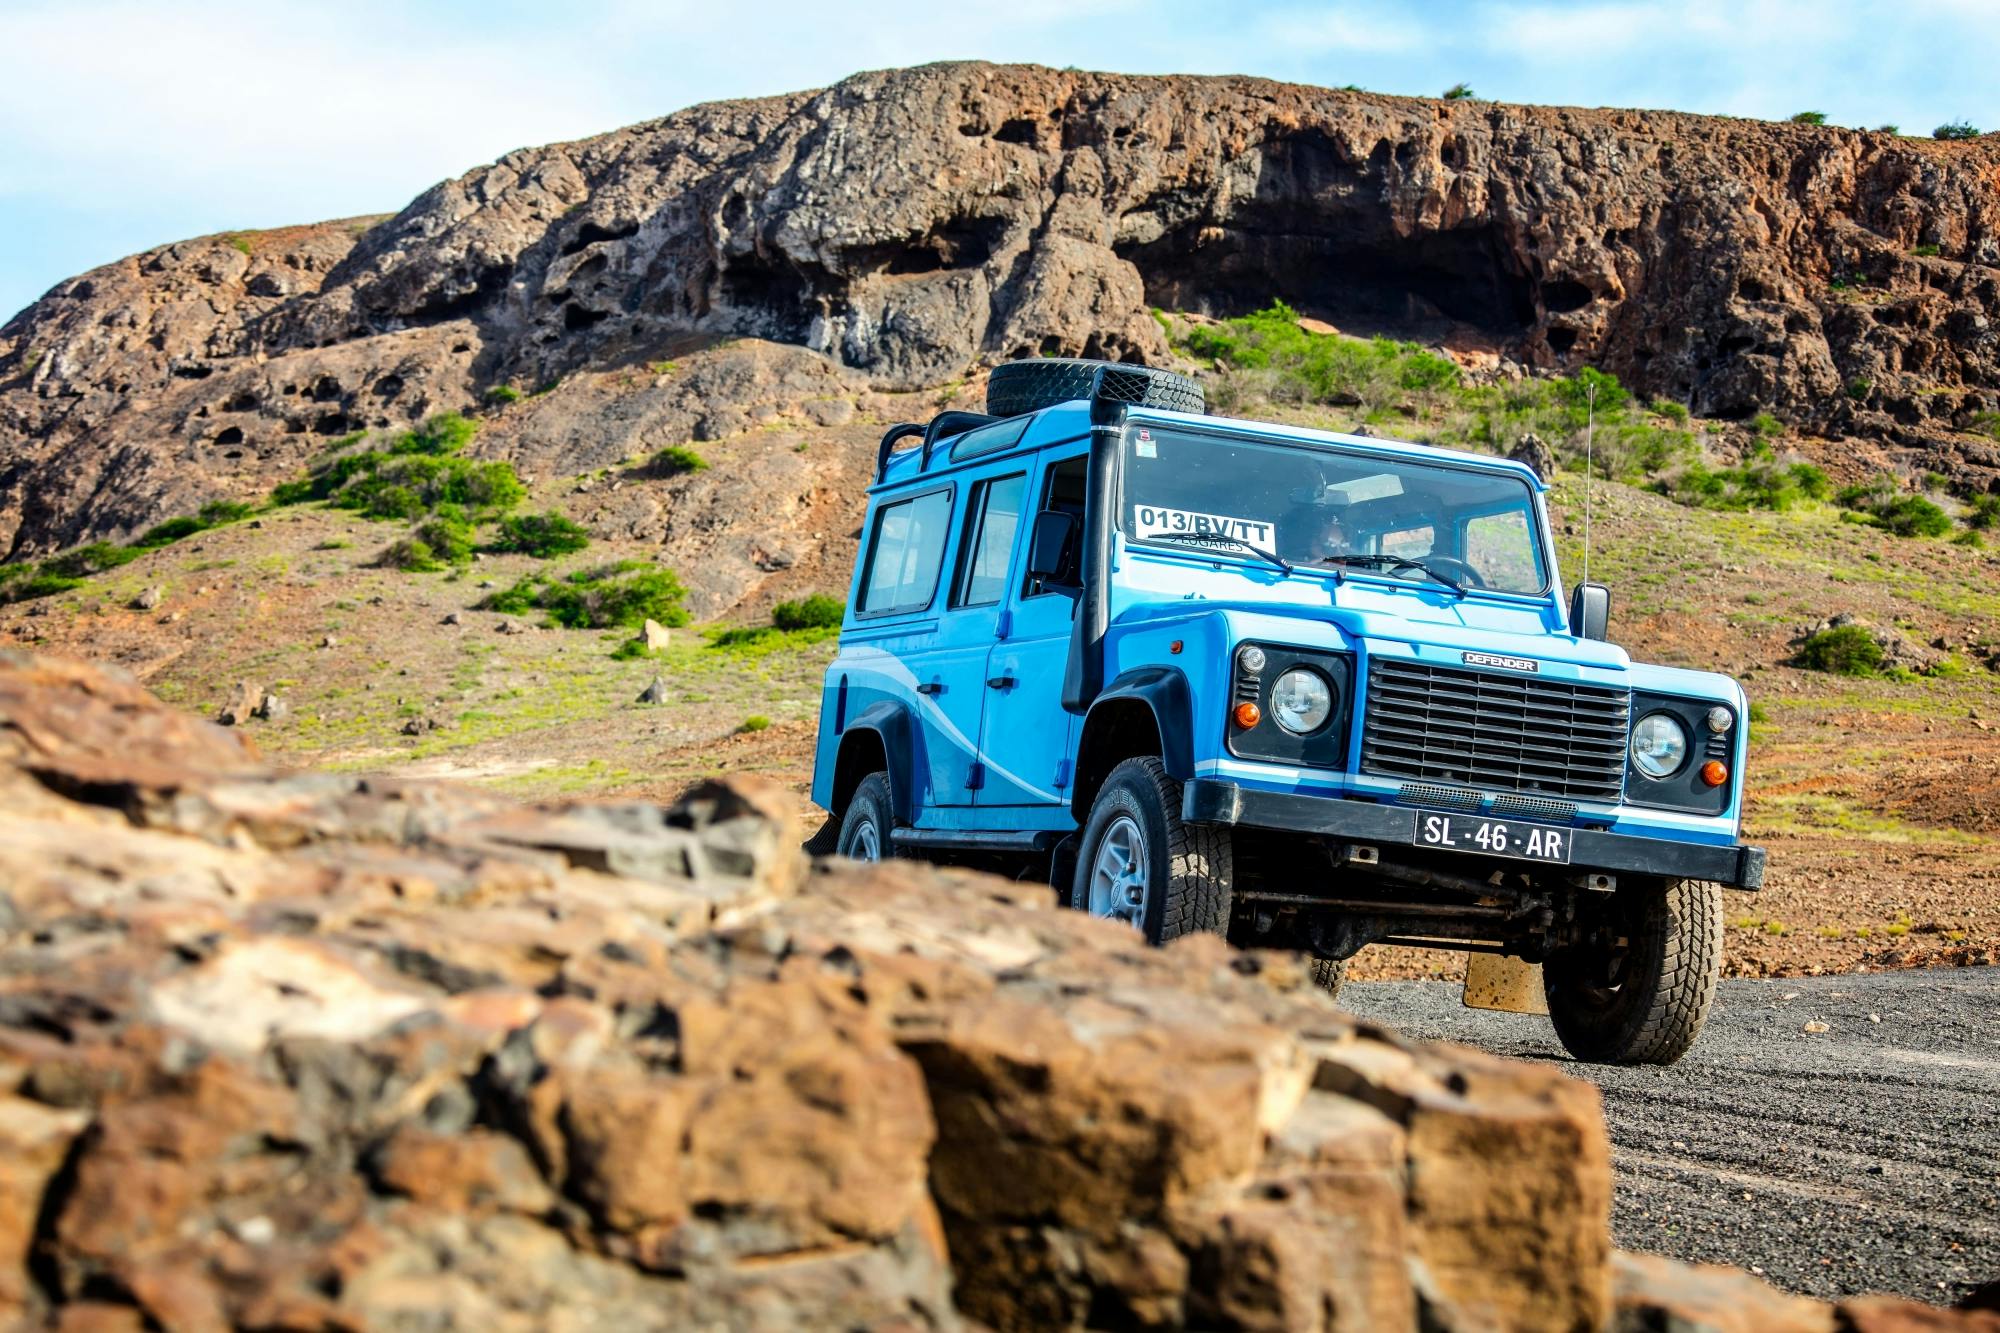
{"points": [[1493, 837]]}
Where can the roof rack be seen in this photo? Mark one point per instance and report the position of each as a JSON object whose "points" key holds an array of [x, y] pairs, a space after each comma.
{"points": [[939, 427]]}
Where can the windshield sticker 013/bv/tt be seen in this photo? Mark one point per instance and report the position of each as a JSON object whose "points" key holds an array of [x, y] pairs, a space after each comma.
{"points": [[1159, 521]]}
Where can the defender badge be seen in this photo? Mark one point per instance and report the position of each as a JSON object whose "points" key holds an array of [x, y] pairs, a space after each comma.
{"points": [[1506, 663]]}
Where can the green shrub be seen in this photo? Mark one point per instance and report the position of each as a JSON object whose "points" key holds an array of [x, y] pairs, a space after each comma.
{"points": [[1987, 423], [631, 650], [1459, 92], [412, 555], [1761, 483], [1576, 392], [677, 459], [755, 722], [1984, 513], [218, 512], [169, 532], [1808, 118], [1888, 129], [84, 561], [445, 433], [1400, 384], [614, 597], [294, 492], [448, 532], [815, 612], [389, 502], [1848, 650], [1955, 129], [1925, 252], [1913, 516], [1671, 410], [500, 395], [1859, 388], [1766, 426], [39, 585], [1867, 496], [541, 535], [1425, 370]]}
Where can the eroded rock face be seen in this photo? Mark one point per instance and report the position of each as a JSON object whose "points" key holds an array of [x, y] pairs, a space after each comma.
{"points": [[904, 225], [324, 1052]]}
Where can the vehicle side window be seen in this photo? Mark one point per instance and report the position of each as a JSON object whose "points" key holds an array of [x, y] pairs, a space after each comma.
{"points": [[1063, 490], [992, 520], [1409, 542], [1502, 549], [904, 554]]}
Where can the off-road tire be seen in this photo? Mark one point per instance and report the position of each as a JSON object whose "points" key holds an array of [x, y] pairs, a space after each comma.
{"points": [[1192, 870], [869, 806], [1674, 960], [1328, 973], [1015, 387]]}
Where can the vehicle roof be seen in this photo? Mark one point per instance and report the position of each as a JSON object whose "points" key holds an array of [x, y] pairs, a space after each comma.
{"points": [[1070, 421]]}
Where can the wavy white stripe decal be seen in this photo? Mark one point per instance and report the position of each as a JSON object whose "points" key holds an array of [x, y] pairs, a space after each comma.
{"points": [[891, 669]]}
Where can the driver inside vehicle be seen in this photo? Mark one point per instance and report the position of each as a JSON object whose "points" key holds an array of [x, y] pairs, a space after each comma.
{"points": [[1316, 533]]}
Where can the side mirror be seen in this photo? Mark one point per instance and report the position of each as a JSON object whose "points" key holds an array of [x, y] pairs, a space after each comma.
{"points": [[1048, 545], [1590, 611]]}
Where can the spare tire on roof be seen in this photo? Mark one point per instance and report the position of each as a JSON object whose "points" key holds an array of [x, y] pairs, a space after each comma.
{"points": [[1029, 386]]}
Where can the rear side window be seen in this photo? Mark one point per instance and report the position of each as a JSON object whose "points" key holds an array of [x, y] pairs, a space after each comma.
{"points": [[904, 554], [993, 519]]}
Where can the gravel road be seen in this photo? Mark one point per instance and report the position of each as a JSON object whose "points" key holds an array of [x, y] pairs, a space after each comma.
{"points": [[1862, 1158]]}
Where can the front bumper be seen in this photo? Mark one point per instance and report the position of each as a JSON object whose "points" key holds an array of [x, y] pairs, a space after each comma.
{"points": [[1207, 801]]}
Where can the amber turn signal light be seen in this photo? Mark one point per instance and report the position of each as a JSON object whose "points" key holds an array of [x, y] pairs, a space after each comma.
{"points": [[1247, 715], [1715, 772]]}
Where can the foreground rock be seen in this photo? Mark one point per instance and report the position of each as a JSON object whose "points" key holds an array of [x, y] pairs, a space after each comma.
{"points": [[323, 1052], [904, 225]]}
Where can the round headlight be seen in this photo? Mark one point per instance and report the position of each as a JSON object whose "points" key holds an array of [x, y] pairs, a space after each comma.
{"points": [[1720, 719], [1659, 745], [1252, 659], [1301, 701]]}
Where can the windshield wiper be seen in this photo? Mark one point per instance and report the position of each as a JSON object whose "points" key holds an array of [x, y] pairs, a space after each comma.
{"points": [[1392, 562], [1227, 540]]}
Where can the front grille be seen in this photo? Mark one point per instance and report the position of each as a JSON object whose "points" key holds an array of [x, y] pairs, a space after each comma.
{"points": [[1497, 732]]}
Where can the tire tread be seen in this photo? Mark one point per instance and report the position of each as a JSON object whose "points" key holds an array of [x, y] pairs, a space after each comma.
{"points": [[1664, 1017]]}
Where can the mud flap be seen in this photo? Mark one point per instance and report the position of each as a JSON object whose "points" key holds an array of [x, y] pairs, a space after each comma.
{"points": [[1494, 981]]}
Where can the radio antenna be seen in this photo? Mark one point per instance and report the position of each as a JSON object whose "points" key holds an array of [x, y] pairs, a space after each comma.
{"points": [[1589, 464]]}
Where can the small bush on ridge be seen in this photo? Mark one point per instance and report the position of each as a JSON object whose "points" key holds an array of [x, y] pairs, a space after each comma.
{"points": [[677, 459], [540, 535], [609, 599], [1848, 650], [815, 612]]}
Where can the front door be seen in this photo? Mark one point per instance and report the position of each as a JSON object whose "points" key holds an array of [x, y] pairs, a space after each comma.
{"points": [[1025, 734]]}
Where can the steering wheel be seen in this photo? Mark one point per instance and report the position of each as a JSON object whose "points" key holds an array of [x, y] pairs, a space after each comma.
{"points": [[1458, 571]]}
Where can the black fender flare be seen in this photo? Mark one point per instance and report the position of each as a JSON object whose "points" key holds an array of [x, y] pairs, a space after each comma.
{"points": [[1164, 691], [891, 724]]}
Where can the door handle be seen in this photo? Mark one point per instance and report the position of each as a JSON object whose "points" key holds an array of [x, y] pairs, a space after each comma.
{"points": [[1001, 683], [930, 687]]}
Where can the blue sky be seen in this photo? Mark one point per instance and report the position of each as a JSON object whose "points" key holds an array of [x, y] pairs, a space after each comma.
{"points": [[128, 123]]}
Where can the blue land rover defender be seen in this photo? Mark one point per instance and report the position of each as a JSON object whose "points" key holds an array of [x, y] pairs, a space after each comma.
{"points": [[1302, 689]]}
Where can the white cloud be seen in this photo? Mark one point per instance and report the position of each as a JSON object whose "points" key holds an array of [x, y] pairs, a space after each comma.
{"points": [[109, 95]]}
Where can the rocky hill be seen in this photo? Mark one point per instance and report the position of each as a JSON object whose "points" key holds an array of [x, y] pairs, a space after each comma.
{"points": [[314, 1052], [903, 227]]}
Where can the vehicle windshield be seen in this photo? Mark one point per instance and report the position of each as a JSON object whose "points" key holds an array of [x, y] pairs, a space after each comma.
{"points": [[1322, 507]]}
